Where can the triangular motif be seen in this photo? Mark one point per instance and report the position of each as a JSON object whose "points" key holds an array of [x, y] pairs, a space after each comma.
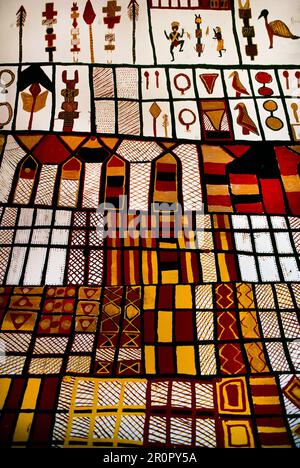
{"points": [[18, 320], [209, 81], [29, 141], [73, 141]]}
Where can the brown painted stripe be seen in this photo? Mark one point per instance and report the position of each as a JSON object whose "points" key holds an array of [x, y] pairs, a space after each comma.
{"points": [[7, 424], [267, 409], [264, 390], [42, 428], [48, 393], [15, 394], [279, 439]]}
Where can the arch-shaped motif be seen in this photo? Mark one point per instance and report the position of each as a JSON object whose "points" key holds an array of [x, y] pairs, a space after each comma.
{"points": [[166, 175], [26, 179], [70, 182], [115, 178], [71, 169]]}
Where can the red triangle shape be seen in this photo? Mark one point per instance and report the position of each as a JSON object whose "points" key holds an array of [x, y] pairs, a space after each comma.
{"points": [[89, 292], [22, 301], [209, 81], [15, 317], [88, 308], [237, 150], [85, 327]]}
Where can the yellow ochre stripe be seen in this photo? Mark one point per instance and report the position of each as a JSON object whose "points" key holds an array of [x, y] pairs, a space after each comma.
{"points": [[31, 394], [4, 388], [263, 400]]}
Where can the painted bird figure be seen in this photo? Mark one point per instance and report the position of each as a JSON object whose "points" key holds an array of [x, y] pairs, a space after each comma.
{"points": [[244, 120], [237, 84], [276, 28]]}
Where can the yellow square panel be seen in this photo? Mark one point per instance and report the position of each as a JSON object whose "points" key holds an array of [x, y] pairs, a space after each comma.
{"points": [[164, 327], [186, 360], [183, 297], [169, 276]]}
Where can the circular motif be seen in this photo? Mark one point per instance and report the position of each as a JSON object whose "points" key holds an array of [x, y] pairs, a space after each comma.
{"points": [[45, 323], [181, 88], [263, 77], [274, 123], [10, 82], [20, 319], [9, 113], [68, 307], [184, 122], [66, 325], [49, 306], [270, 106], [85, 323], [265, 91]]}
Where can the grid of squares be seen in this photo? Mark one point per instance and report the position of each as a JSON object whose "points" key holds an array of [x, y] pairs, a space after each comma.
{"points": [[232, 411], [221, 248], [180, 413], [69, 246], [36, 238], [231, 329], [208, 323], [228, 412], [155, 330], [100, 413], [168, 102], [256, 324], [167, 91], [44, 331], [267, 247], [27, 407], [55, 330]]}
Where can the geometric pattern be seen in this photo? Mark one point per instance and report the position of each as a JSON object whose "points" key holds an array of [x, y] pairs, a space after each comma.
{"points": [[149, 226]]}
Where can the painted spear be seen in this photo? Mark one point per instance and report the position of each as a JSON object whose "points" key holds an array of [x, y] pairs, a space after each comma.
{"points": [[89, 16], [155, 111], [21, 18], [133, 13]]}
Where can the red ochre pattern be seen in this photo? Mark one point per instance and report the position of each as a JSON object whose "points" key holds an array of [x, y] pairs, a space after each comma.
{"points": [[140, 340]]}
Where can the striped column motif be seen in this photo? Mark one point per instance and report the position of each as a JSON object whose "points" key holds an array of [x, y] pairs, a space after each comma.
{"points": [[49, 21], [75, 32]]}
